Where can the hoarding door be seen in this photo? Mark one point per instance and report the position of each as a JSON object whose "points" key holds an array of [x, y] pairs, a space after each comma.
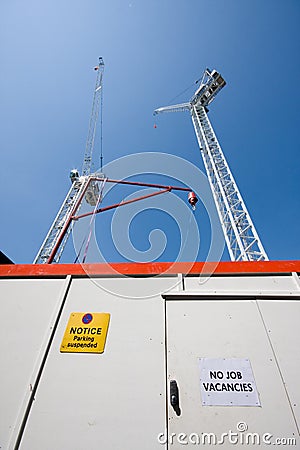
{"points": [[224, 383], [112, 399]]}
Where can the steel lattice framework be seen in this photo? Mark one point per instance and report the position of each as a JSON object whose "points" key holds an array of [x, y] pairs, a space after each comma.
{"points": [[83, 187], [96, 106], [89, 188], [242, 240], [58, 228]]}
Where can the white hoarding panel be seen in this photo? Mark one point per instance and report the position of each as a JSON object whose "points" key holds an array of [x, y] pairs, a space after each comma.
{"points": [[282, 322], [28, 312], [226, 332], [113, 400]]}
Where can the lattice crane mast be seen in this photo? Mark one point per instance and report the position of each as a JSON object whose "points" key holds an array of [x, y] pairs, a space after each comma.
{"points": [[241, 237], [83, 187], [90, 187], [97, 106]]}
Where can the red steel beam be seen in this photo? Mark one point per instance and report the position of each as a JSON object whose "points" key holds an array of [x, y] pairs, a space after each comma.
{"points": [[116, 205], [66, 226], [137, 183]]}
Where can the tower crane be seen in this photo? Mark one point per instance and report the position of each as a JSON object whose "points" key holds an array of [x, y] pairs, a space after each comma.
{"points": [[241, 237], [89, 186], [84, 186]]}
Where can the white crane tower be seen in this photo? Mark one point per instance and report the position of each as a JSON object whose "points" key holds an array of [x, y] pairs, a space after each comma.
{"points": [[83, 187], [89, 187], [241, 238]]}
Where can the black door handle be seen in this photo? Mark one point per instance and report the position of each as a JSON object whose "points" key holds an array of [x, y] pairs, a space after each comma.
{"points": [[174, 397]]}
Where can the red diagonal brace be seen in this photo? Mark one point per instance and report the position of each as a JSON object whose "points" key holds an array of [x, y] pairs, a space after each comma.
{"points": [[117, 205]]}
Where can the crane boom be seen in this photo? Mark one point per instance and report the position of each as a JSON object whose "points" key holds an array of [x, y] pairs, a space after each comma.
{"points": [[174, 108], [97, 105], [241, 237]]}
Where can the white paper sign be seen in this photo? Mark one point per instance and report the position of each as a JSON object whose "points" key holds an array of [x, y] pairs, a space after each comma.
{"points": [[227, 382]]}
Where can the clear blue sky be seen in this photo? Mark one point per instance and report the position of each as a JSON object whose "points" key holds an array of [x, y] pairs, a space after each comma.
{"points": [[152, 50]]}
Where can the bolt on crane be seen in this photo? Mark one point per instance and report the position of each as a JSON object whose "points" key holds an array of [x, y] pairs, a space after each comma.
{"points": [[241, 237]]}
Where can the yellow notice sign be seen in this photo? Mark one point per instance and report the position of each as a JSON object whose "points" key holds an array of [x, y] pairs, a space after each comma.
{"points": [[85, 333]]}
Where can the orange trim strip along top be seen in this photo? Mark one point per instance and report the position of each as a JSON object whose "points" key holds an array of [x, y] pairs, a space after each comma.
{"points": [[44, 270]]}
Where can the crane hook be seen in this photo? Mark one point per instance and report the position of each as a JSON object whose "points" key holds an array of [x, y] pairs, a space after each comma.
{"points": [[192, 199]]}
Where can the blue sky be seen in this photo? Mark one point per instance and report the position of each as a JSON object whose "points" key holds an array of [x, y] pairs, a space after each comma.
{"points": [[152, 50]]}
